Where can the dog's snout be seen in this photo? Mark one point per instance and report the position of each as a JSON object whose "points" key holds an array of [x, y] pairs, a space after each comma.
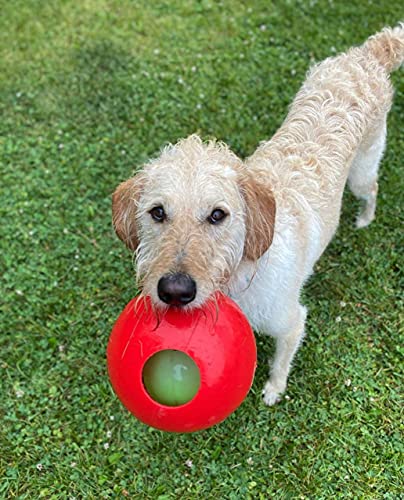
{"points": [[176, 289]]}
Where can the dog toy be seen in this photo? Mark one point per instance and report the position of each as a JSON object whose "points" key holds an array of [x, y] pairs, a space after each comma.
{"points": [[182, 371]]}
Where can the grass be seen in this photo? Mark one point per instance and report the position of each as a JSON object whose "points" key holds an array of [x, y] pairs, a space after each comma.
{"points": [[91, 89]]}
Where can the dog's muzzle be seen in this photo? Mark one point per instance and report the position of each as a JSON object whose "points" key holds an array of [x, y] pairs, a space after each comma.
{"points": [[176, 289]]}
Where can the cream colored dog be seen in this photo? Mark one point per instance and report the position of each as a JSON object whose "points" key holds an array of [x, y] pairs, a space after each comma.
{"points": [[201, 220]]}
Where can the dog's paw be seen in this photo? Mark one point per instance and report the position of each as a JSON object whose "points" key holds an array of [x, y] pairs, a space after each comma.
{"points": [[270, 394], [363, 221]]}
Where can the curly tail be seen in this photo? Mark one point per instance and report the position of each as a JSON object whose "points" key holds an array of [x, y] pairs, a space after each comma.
{"points": [[387, 47]]}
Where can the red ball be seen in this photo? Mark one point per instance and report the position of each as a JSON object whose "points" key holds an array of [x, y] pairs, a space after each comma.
{"points": [[217, 337]]}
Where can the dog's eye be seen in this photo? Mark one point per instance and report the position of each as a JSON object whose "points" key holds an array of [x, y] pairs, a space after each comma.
{"points": [[158, 214], [216, 216]]}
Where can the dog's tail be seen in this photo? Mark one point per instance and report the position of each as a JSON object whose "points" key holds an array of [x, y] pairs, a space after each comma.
{"points": [[387, 47]]}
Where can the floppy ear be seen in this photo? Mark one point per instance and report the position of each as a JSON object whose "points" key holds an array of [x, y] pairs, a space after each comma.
{"points": [[260, 217], [124, 205]]}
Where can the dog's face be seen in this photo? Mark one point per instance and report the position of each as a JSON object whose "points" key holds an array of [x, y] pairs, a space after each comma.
{"points": [[189, 217]]}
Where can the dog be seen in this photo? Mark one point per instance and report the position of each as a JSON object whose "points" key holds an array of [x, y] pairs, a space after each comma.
{"points": [[200, 220]]}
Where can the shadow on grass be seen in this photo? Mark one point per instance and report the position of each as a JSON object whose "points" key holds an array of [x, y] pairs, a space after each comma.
{"points": [[101, 88]]}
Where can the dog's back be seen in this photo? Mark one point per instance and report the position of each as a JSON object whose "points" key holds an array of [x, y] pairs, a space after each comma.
{"points": [[337, 116]]}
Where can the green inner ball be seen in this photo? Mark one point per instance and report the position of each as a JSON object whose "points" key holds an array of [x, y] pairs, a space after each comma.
{"points": [[171, 377]]}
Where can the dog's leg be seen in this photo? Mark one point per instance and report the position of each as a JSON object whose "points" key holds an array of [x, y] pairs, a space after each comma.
{"points": [[286, 347], [362, 178]]}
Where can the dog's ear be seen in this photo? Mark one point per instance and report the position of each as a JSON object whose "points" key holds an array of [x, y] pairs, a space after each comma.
{"points": [[124, 205], [260, 217]]}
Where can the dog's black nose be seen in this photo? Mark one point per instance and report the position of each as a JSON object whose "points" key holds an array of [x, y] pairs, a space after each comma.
{"points": [[176, 289]]}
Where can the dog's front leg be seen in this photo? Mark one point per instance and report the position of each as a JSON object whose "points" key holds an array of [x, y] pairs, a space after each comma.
{"points": [[286, 347]]}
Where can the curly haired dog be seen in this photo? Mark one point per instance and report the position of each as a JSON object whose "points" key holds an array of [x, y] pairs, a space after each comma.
{"points": [[200, 219]]}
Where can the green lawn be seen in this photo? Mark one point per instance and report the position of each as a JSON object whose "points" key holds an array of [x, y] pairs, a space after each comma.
{"points": [[88, 91]]}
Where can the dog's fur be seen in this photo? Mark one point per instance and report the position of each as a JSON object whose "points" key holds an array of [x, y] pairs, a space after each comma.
{"points": [[282, 203]]}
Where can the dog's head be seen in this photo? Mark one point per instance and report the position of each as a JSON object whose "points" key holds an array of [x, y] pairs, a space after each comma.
{"points": [[191, 216]]}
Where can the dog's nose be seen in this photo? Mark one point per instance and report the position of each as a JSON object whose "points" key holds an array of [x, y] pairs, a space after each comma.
{"points": [[176, 289]]}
